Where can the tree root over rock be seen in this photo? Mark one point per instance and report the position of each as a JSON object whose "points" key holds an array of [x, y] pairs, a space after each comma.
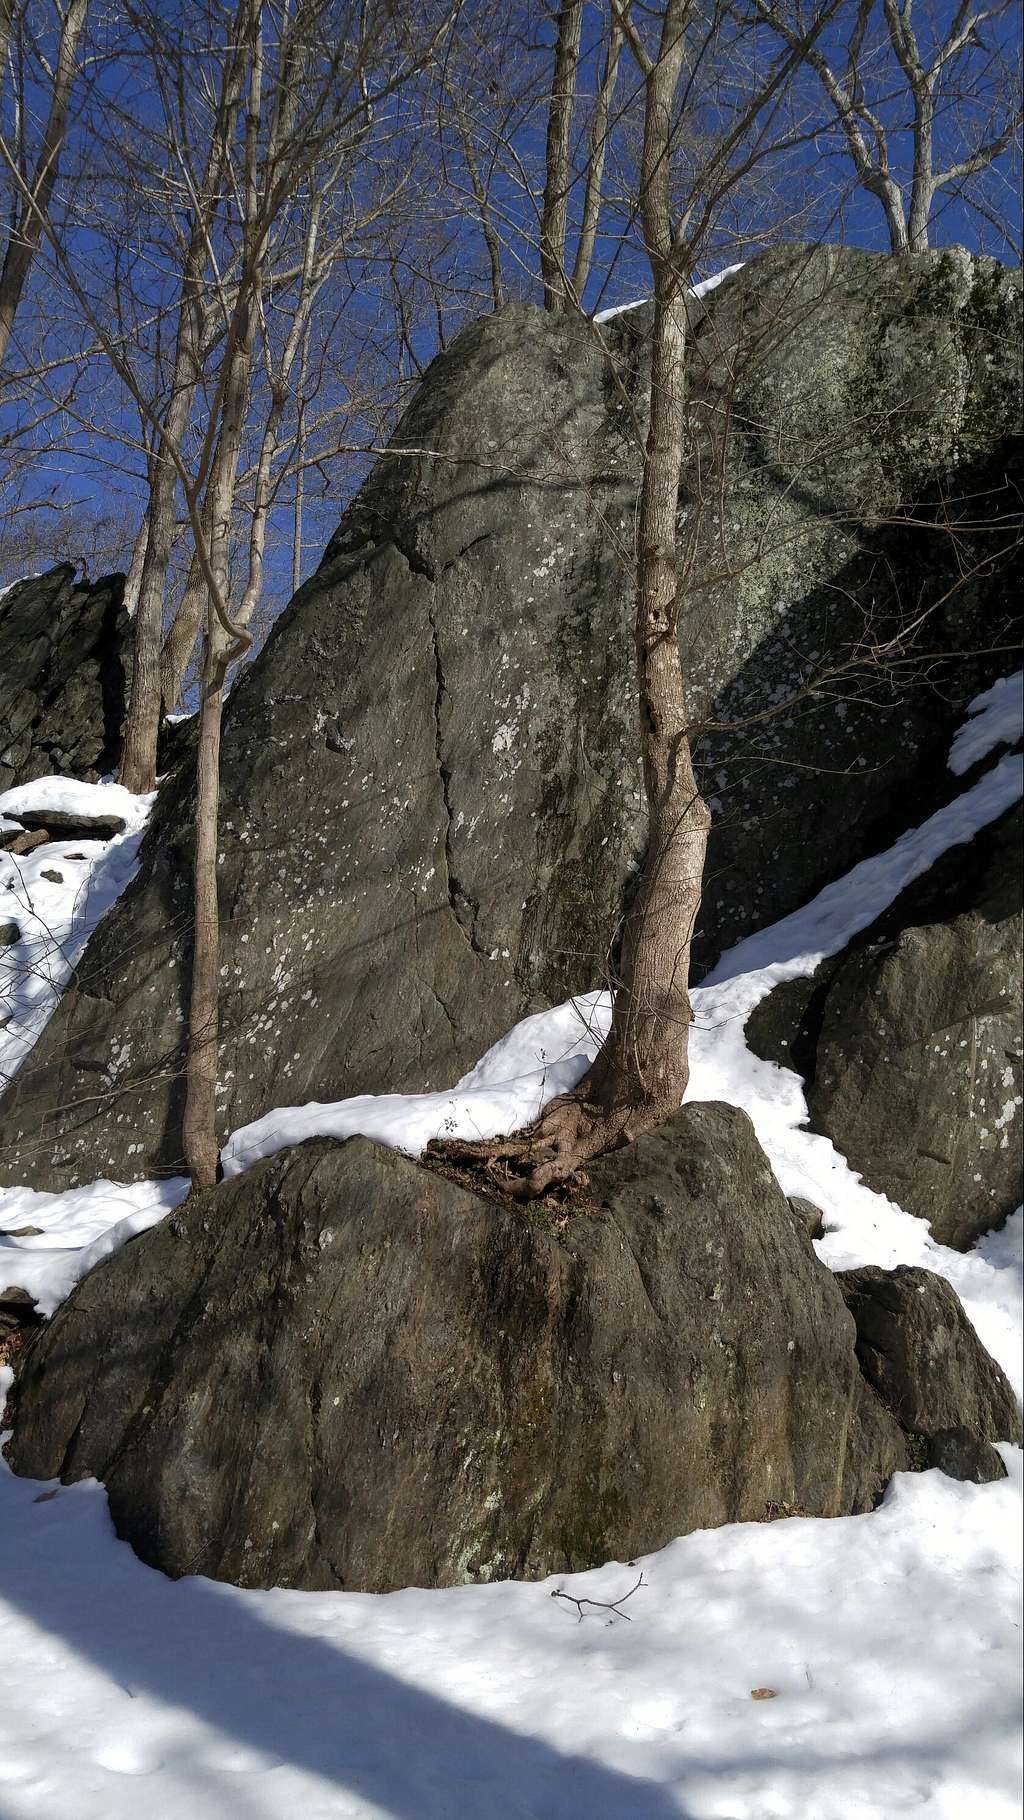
{"points": [[546, 1159]]}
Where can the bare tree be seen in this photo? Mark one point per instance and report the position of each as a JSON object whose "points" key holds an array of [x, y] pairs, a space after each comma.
{"points": [[640, 1074], [935, 79], [299, 88], [35, 190], [195, 320]]}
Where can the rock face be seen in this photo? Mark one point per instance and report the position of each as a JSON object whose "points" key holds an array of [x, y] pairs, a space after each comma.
{"points": [[911, 1042], [431, 792], [344, 1370], [921, 1355], [64, 669]]}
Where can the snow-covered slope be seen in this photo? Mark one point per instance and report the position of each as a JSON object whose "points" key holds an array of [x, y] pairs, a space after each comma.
{"points": [[55, 896]]}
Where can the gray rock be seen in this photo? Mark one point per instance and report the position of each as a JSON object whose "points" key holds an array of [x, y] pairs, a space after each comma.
{"points": [[810, 1218], [21, 843], [63, 824], [918, 1075], [431, 794], [909, 1043], [921, 1355], [9, 934], [961, 1455], [343, 1370], [64, 669], [17, 1311]]}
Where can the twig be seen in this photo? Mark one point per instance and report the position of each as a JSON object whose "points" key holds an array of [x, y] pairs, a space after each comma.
{"points": [[614, 1605]]}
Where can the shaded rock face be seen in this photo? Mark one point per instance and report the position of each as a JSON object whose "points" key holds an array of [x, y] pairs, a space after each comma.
{"points": [[960, 1455], [432, 815], [64, 671], [344, 1370], [921, 1355], [911, 1043]]}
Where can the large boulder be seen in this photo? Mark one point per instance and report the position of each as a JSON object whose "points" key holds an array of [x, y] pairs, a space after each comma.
{"points": [[911, 1044], [432, 815], [64, 670], [921, 1355], [345, 1370]]}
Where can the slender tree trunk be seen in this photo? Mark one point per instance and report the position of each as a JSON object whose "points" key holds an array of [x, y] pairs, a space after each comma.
{"points": [[890, 196], [133, 579], [142, 728], [922, 182], [199, 1130], [180, 642], [199, 1125], [24, 240], [261, 510], [300, 489], [640, 1074], [558, 172], [595, 167], [643, 1065]]}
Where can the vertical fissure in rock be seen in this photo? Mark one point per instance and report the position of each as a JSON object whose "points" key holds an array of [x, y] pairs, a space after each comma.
{"points": [[464, 908]]}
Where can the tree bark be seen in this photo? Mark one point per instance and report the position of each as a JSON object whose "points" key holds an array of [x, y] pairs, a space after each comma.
{"points": [[133, 579], [199, 1130], [142, 727], [180, 642], [557, 178]]}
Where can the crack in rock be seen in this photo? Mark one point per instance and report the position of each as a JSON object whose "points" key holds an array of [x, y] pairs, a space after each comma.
{"points": [[464, 908]]}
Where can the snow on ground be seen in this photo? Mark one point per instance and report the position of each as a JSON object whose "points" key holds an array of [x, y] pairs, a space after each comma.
{"points": [[73, 1231], [56, 916], [996, 719], [890, 1642]]}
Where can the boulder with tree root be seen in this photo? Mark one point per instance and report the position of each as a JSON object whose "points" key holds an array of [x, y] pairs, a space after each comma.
{"points": [[345, 1369]]}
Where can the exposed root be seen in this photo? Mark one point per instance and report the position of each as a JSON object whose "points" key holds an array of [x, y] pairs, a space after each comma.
{"points": [[549, 1154]]}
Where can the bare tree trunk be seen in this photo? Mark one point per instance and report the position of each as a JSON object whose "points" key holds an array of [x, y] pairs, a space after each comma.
{"points": [[890, 196], [644, 1062], [133, 579], [261, 511], [142, 727], [558, 172], [920, 84], [595, 167], [640, 1075], [180, 642], [199, 1131], [199, 1124], [300, 486], [25, 238]]}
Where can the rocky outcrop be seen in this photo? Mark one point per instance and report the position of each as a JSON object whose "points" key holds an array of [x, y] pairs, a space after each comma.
{"points": [[910, 1043], [344, 1370], [64, 670], [922, 1357], [431, 795]]}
